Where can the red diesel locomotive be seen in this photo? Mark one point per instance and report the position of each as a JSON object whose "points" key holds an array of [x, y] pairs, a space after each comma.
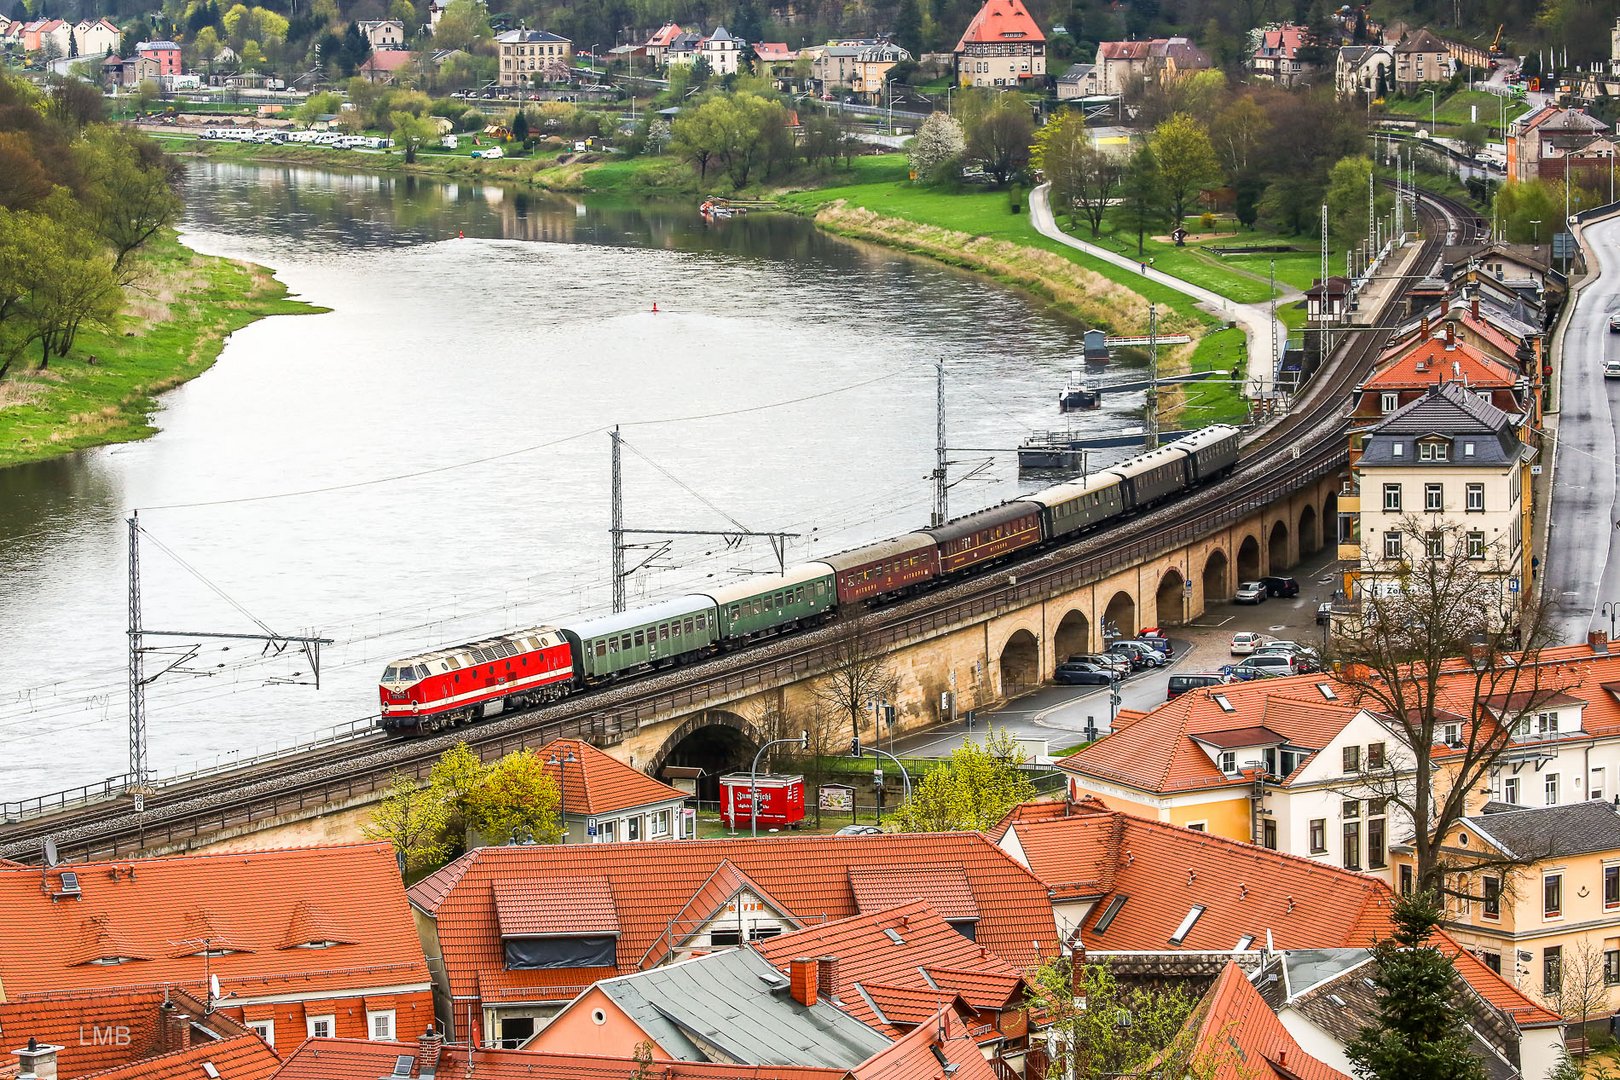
{"points": [[439, 689]]}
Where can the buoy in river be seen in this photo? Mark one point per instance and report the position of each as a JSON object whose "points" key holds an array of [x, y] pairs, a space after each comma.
{"points": [[655, 307]]}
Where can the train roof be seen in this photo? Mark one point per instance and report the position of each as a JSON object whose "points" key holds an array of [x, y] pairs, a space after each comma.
{"points": [[1151, 460], [995, 515], [679, 607], [516, 638], [1086, 485], [1203, 437], [883, 549], [748, 588]]}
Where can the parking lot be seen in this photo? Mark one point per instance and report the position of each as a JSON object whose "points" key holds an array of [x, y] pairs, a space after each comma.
{"points": [[1060, 714]]}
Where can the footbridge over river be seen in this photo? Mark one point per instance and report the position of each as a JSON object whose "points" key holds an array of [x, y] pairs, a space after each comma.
{"points": [[986, 637]]}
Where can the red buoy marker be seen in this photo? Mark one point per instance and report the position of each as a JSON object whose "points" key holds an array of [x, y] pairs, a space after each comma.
{"points": [[655, 307]]}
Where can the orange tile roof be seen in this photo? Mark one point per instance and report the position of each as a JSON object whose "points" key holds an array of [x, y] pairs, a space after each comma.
{"points": [[1163, 871], [63, 1020], [352, 1059], [157, 913], [244, 1057], [561, 906], [1494, 988], [1001, 21], [946, 888], [1075, 861], [1428, 362], [1044, 810], [922, 1054], [904, 1007], [1238, 1037], [723, 886], [1158, 754], [598, 784], [930, 953], [810, 876]]}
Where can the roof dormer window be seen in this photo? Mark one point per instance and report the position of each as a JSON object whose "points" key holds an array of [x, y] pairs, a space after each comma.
{"points": [[1433, 451]]}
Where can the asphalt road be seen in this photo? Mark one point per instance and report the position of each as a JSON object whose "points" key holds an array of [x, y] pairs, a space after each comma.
{"points": [[1582, 566]]}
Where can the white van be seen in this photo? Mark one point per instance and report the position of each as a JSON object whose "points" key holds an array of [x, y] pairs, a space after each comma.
{"points": [[1611, 369]]}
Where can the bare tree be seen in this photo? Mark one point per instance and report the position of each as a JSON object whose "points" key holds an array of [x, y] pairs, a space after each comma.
{"points": [[1581, 992], [821, 728], [861, 674], [1447, 653]]}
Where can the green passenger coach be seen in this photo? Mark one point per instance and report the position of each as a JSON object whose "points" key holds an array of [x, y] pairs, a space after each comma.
{"points": [[767, 605]]}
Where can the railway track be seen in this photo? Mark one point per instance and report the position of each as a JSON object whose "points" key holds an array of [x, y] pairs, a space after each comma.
{"points": [[1300, 448]]}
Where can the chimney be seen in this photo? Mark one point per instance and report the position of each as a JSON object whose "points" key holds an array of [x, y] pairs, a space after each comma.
{"points": [[176, 1029], [802, 976], [1423, 332], [1077, 965], [1451, 335], [428, 1045], [827, 976], [1473, 305], [1598, 642], [36, 1062]]}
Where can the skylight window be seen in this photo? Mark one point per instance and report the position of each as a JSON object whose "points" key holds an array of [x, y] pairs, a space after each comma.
{"points": [[1108, 913], [1225, 703], [1243, 943], [1187, 924], [893, 935], [1327, 691]]}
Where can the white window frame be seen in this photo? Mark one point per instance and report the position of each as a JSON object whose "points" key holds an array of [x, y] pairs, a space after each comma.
{"points": [[329, 1019], [264, 1029], [1510, 790], [1434, 498], [1475, 494], [1550, 788], [1228, 762], [1392, 498], [658, 823], [374, 1015], [1392, 545], [1389, 401]]}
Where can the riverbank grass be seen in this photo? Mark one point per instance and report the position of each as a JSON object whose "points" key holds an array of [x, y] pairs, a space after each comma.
{"points": [[176, 318]]}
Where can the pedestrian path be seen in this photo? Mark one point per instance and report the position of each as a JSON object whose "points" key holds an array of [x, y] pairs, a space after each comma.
{"points": [[1255, 319]]}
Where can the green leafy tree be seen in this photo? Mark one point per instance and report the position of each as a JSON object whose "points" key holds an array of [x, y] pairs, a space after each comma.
{"points": [[520, 127], [463, 24], [1093, 1044], [516, 797], [322, 104], [452, 780], [1141, 196], [1348, 185], [206, 45], [413, 820], [1084, 178], [1473, 138], [971, 790], [1421, 1033], [131, 195], [1187, 162]]}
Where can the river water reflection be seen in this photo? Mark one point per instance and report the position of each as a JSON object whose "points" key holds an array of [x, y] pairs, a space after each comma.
{"points": [[786, 379]]}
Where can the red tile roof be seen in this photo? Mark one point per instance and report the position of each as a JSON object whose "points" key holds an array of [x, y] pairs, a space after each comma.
{"points": [[1158, 754], [244, 1057], [1075, 861], [1163, 871], [1428, 361], [387, 60], [946, 888], [929, 957], [666, 34], [1284, 42], [809, 876], [1494, 988], [922, 1054], [1044, 810], [63, 1020], [1238, 1037], [1001, 21], [562, 906], [723, 886], [1125, 50], [595, 783], [158, 913], [774, 50], [351, 1059]]}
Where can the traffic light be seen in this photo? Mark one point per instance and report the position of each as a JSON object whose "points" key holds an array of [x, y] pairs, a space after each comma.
{"points": [[855, 747]]}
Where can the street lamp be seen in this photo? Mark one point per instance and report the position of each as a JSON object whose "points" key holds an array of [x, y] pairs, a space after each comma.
{"points": [[1535, 234], [594, 47], [562, 786], [1432, 133], [753, 781]]}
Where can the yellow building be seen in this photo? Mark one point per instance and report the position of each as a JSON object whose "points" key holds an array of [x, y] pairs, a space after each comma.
{"points": [[1546, 913]]}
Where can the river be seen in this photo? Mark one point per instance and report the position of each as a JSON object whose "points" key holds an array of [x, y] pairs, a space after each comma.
{"points": [[429, 461]]}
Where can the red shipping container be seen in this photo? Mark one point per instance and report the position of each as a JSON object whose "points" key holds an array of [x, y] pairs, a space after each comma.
{"points": [[781, 799]]}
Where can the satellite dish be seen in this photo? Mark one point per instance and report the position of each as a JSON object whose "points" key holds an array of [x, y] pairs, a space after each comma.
{"points": [[51, 858], [213, 989]]}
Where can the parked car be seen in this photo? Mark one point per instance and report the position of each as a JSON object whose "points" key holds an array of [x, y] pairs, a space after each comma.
{"points": [[1118, 663], [490, 154], [1180, 684], [1140, 655], [1280, 586], [1245, 642], [1152, 635], [1304, 663], [859, 830], [1250, 592], [1264, 666], [1068, 674]]}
